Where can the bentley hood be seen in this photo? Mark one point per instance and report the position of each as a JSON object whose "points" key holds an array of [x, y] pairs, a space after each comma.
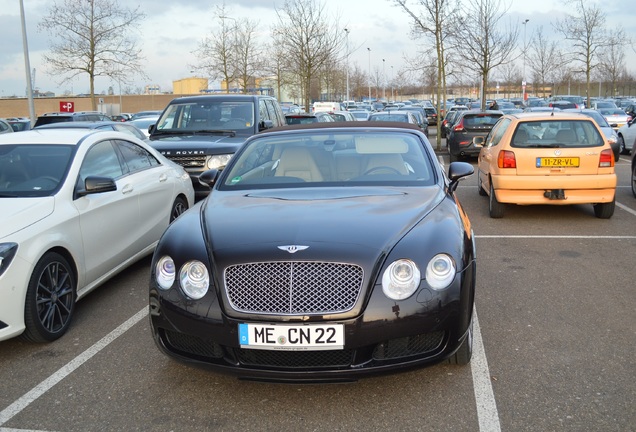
{"points": [[332, 223], [20, 213]]}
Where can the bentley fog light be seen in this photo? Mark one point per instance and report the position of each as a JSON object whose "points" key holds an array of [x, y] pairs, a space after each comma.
{"points": [[194, 279], [400, 279], [440, 271], [218, 161], [165, 272]]}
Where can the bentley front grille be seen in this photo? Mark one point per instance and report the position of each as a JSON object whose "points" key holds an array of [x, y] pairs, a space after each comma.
{"points": [[189, 161], [293, 288]]}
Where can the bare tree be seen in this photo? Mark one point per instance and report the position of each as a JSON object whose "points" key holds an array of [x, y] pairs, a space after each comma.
{"points": [[217, 52], [544, 59], [92, 37], [586, 32], [247, 49], [309, 38], [612, 59], [434, 22], [482, 42], [276, 65]]}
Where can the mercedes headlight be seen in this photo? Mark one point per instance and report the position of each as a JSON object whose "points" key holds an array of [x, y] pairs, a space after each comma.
{"points": [[440, 271], [194, 279], [400, 279], [7, 252]]}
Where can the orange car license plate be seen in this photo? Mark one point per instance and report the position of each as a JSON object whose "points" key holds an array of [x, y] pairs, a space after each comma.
{"points": [[551, 162]]}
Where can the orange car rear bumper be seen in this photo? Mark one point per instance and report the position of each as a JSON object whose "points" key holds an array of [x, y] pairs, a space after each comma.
{"points": [[576, 189]]}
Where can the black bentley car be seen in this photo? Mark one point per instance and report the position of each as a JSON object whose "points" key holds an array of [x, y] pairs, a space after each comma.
{"points": [[325, 252]]}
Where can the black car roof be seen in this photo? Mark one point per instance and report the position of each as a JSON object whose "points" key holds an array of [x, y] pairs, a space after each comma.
{"points": [[228, 97], [350, 125]]}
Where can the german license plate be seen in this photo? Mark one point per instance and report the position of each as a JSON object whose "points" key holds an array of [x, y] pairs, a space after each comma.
{"points": [[557, 162], [292, 337]]}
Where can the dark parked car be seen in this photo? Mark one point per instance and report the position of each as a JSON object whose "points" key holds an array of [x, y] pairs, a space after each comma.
{"points": [[203, 132], [468, 125], [634, 172], [448, 122], [305, 118], [59, 117], [431, 115], [326, 252], [19, 124], [143, 114]]}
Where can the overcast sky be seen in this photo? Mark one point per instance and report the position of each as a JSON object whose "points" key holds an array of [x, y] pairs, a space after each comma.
{"points": [[172, 29]]}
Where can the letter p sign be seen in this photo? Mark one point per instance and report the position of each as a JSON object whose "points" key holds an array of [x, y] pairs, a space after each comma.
{"points": [[67, 107]]}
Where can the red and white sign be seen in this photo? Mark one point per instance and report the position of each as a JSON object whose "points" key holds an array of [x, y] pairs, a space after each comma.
{"points": [[67, 106]]}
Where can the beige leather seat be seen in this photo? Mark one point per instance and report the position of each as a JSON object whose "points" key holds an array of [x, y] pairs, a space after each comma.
{"points": [[521, 137], [566, 136], [298, 162], [390, 162]]}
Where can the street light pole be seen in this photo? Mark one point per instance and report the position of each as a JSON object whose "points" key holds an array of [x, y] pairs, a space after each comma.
{"points": [[392, 97], [523, 84], [383, 80], [369, 49], [27, 66], [347, 44]]}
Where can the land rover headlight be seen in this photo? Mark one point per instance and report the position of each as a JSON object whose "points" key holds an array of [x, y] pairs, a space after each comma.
{"points": [[218, 161]]}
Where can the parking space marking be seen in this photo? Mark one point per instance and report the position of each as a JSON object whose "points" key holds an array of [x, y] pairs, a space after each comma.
{"points": [[487, 414], [627, 209], [557, 237], [20, 404]]}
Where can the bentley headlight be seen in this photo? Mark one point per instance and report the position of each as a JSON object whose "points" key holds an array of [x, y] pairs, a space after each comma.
{"points": [[440, 271], [165, 272], [218, 161], [7, 252], [194, 279], [400, 279]]}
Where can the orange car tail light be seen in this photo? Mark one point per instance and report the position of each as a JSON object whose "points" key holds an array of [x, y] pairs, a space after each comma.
{"points": [[607, 159], [506, 159]]}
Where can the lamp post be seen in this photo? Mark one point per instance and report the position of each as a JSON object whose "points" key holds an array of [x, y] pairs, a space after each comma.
{"points": [[523, 83], [383, 81], [27, 66], [369, 49], [347, 47], [392, 97]]}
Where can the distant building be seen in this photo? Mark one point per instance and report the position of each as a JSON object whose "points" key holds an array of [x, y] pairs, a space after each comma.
{"points": [[192, 85]]}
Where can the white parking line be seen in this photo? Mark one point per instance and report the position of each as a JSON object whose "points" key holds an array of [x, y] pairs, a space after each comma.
{"points": [[16, 407], [557, 237], [487, 413]]}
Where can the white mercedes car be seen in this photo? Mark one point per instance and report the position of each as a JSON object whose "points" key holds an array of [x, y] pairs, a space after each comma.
{"points": [[78, 206]]}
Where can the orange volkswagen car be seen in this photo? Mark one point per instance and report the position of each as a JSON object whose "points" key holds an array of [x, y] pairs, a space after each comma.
{"points": [[546, 158]]}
